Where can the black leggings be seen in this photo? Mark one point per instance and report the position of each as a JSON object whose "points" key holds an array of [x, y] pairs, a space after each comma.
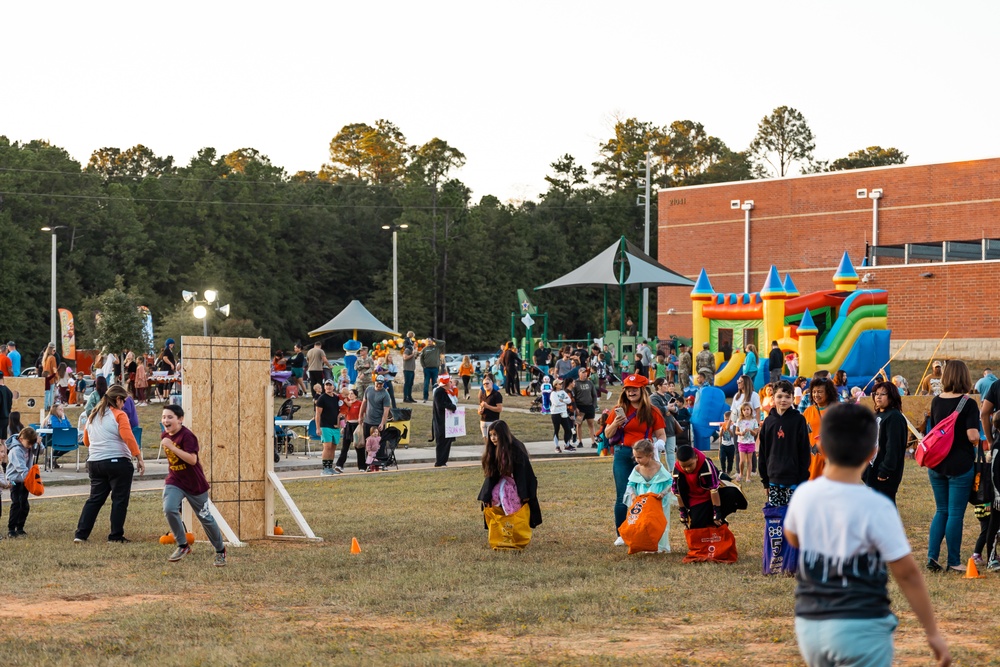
{"points": [[991, 535], [346, 436], [18, 508], [466, 380], [567, 425]]}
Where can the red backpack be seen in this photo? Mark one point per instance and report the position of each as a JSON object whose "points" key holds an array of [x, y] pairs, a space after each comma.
{"points": [[934, 446]]}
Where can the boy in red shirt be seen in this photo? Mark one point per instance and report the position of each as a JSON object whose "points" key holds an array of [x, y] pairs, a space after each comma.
{"points": [[187, 480]]}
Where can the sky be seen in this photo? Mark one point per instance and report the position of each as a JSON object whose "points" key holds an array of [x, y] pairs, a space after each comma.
{"points": [[512, 85]]}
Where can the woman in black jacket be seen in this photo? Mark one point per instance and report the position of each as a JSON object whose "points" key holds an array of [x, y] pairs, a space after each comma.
{"points": [[506, 457], [886, 470]]}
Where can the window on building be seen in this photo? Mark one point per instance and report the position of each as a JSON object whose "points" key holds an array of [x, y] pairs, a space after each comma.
{"points": [[924, 253]]}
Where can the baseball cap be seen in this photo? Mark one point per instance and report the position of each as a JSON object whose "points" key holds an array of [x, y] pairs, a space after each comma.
{"points": [[11, 343], [636, 381], [380, 378], [937, 364], [328, 382]]}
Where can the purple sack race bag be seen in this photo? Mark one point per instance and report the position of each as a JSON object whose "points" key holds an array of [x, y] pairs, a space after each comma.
{"points": [[779, 557]]}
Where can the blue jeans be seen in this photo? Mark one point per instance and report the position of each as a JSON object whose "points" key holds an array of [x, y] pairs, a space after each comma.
{"points": [[430, 379], [408, 385], [622, 467], [839, 642], [951, 495]]}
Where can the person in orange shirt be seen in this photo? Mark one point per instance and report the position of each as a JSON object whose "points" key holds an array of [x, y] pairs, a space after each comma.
{"points": [[824, 394], [6, 366], [50, 370], [465, 372]]}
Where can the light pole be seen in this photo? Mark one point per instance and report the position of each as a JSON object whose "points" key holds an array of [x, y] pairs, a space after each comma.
{"points": [[645, 248], [200, 311], [52, 329], [395, 277], [747, 207]]}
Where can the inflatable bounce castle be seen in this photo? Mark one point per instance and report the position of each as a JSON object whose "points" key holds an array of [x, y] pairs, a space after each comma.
{"points": [[843, 328]]}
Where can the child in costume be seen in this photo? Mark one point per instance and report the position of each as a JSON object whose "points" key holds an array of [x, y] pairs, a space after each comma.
{"points": [[546, 395], [650, 476]]}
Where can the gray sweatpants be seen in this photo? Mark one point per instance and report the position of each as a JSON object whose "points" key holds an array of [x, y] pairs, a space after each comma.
{"points": [[172, 497]]}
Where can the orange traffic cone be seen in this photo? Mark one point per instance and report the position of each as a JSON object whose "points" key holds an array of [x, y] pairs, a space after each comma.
{"points": [[971, 571], [355, 547]]}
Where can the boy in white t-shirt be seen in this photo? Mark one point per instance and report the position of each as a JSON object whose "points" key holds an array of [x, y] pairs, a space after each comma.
{"points": [[847, 534]]}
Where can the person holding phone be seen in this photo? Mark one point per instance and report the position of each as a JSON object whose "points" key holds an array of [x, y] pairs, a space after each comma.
{"points": [[635, 419]]}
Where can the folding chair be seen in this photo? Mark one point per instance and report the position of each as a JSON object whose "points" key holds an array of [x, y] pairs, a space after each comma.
{"points": [[63, 441]]}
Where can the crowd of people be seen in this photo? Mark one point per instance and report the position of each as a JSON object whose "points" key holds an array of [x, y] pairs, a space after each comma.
{"points": [[834, 468]]}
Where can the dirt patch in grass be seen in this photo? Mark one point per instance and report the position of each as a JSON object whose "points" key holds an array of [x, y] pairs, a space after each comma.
{"points": [[69, 607]]}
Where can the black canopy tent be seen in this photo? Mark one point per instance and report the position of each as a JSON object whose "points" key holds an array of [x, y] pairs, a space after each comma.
{"points": [[643, 270]]}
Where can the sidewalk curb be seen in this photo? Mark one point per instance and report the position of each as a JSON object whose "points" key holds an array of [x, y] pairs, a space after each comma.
{"points": [[316, 464]]}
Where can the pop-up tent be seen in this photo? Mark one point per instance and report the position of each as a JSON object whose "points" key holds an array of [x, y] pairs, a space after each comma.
{"points": [[353, 318], [634, 268]]}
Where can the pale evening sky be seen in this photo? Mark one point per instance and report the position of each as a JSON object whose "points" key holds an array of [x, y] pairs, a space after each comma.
{"points": [[513, 85]]}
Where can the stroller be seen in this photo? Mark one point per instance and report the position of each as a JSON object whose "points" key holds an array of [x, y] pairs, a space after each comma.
{"points": [[386, 455], [536, 404], [535, 386], [284, 437]]}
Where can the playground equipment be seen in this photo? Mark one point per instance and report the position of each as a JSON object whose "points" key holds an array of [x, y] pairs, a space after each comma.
{"points": [[843, 328]]}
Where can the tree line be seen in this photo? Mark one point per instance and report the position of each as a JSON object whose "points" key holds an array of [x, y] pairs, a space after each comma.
{"points": [[288, 251]]}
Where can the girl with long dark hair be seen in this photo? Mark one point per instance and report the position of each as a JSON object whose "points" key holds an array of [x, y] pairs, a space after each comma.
{"points": [[886, 470], [505, 459]]}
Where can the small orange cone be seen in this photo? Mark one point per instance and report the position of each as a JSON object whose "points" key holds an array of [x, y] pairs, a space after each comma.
{"points": [[971, 571], [355, 547]]}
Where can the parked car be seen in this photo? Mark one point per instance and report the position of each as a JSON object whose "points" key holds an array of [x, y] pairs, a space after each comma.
{"points": [[452, 362]]}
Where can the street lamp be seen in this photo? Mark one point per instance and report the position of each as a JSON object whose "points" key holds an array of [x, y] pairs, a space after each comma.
{"points": [[200, 311], [52, 330], [747, 206], [395, 280]]}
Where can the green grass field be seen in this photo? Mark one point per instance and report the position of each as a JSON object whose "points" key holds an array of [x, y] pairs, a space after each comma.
{"points": [[427, 590]]}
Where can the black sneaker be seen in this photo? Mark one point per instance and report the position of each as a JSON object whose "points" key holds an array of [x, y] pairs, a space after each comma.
{"points": [[934, 566], [570, 448], [20, 532], [119, 540], [11, 535]]}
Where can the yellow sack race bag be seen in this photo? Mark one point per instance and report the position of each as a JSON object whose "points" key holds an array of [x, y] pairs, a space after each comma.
{"points": [[508, 531]]}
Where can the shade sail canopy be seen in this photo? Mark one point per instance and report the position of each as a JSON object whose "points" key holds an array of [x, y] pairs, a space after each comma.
{"points": [[354, 317], [641, 270]]}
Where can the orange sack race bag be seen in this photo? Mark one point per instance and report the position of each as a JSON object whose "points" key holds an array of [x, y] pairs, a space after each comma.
{"points": [[715, 543], [644, 524], [33, 481]]}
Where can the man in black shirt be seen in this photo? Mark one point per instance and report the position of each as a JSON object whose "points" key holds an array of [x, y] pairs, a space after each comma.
{"points": [[775, 360], [327, 419]]}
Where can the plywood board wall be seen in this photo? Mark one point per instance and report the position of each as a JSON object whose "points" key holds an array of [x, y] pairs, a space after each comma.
{"points": [[228, 405], [31, 402]]}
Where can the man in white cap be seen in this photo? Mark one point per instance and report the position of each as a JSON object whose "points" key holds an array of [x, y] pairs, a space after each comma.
{"points": [[931, 385], [375, 405]]}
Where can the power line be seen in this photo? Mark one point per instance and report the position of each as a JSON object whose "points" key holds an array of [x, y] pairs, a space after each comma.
{"points": [[293, 205]]}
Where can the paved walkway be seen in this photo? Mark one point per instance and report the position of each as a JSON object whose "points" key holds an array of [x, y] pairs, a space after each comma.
{"points": [[66, 481]]}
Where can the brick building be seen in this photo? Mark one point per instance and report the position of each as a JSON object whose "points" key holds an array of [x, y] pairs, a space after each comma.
{"points": [[936, 250]]}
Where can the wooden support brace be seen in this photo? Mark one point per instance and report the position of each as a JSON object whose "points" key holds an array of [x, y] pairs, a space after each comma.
{"points": [[228, 534], [274, 483]]}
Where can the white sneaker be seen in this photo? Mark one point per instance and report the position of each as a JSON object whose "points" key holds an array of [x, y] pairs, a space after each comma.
{"points": [[619, 542]]}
